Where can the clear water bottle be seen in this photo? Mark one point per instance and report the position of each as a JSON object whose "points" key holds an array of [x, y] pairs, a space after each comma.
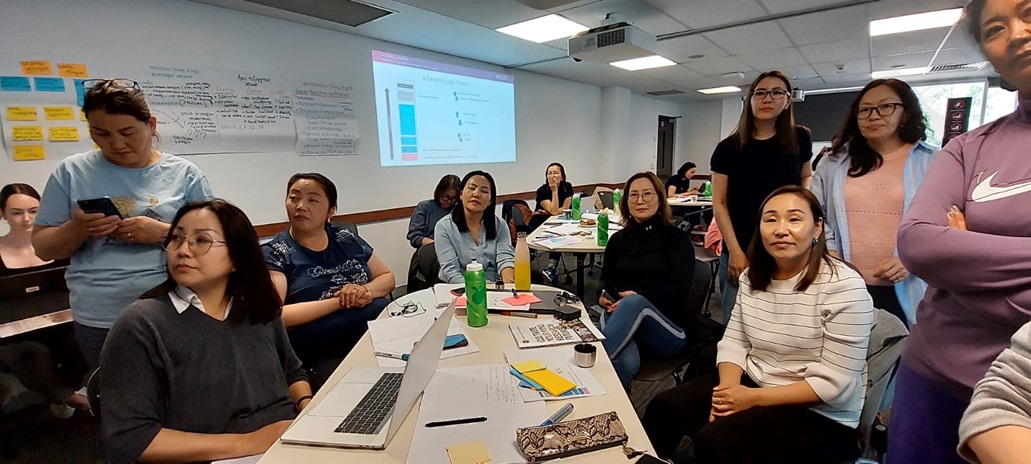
{"points": [[603, 228], [522, 263], [576, 206], [617, 196], [475, 295]]}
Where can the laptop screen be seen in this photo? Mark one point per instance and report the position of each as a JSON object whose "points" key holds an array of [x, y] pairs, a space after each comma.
{"points": [[31, 294]]}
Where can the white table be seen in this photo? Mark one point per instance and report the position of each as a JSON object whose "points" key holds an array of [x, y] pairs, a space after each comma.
{"points": [[580, 249], [690, 202], [493, 340]]}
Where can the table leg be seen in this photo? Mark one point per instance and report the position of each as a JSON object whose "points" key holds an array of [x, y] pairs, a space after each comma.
{"points": [[580, 275]]}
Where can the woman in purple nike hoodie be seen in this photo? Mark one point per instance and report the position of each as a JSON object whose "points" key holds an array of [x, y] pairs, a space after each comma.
{"points": [[979, 275]]}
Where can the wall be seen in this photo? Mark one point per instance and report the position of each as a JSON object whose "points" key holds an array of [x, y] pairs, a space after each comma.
{"points": [[556, 120], [644, 133]]}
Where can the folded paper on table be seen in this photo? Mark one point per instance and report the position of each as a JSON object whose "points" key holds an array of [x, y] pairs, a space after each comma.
{"points": [[472, 391], [554, 332]]}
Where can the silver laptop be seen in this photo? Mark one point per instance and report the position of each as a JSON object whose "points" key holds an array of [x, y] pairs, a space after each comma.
{"points": [[368, 405]]}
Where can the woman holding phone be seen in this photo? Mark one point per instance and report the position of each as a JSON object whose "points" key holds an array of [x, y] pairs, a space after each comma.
{"points": [[114, 257]]}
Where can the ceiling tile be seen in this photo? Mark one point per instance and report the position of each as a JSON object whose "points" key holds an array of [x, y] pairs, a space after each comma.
{"points": [[829, 26], [636, 12], [841, 50], [907, 60], [808, 84], [849, 67], [718, 66], [699, 14], [800, 72], [773, 59], [673, 73], [908, 42], [839, 80], [959, 39], [752, 38], [890, 9], [785, 6], [491, 15], [958, 56], [681, 48]]}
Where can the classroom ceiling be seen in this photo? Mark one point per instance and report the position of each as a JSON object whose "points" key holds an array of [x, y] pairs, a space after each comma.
{"points": [[821, 44]]}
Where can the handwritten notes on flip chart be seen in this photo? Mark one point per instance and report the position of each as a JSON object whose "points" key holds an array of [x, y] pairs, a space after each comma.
{"points": [[64, 134], [37, 68], [71, 70], [27, 133], [29, 152], [59, 113], [22, 113], [15, 84], [325, 118]]}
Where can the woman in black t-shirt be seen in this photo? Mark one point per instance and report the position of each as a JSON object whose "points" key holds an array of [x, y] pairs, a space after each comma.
{"points": [[680, 184], [553, 196], [767, 150]]}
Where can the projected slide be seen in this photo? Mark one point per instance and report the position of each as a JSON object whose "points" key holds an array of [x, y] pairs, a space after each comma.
{"points": [[436, 113]]}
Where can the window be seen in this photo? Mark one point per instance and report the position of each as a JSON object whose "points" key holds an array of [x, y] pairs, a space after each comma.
{"points": [[933, 100]]}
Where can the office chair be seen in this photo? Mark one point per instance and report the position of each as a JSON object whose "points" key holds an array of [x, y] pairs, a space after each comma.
{"points": [[345, 224], [93, 393], [606, 199], [425, 269]]}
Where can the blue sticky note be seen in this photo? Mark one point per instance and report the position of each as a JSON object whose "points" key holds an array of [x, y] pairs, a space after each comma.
{"points": [[80, 91], [49, 84], [15, 84]]}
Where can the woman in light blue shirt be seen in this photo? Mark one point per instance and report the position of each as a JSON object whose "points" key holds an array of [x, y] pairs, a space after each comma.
{"points": [[473, 231]]}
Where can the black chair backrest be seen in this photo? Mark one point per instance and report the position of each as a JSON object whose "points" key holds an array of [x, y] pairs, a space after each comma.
{"points": [[506, 208], [342, 224], [517, 217], [699, 288], [606, 199], [425, 269]]}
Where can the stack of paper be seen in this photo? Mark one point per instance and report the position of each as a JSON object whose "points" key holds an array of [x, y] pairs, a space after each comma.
{"points": [[554, 332], [394, 337], [558, 360]]}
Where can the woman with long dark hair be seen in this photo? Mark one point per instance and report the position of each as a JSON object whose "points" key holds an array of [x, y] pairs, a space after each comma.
{"points": [[767, 150], [473, 232], [428, 212], [555, 195], [789, 386], [200, 368], [876, 165]]}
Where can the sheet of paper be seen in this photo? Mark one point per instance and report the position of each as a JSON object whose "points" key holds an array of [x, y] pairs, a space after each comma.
{"points": [[565, 229], [495, 300], [559, 242], [560, 360], [473, 391], [399, 334], [245, 460]]}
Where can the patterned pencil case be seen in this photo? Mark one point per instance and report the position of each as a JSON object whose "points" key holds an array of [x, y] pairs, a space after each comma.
{"points": [[572, 437]]}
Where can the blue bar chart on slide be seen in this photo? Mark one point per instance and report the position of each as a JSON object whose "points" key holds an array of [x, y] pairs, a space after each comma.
{"points": [[434, 113]]}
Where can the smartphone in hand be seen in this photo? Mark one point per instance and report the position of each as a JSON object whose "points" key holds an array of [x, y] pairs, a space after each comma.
{"points": [[100, 205], [608, 296]]}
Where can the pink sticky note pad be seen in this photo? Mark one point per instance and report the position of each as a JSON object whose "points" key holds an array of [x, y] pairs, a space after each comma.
{"points": [[522, 299]]}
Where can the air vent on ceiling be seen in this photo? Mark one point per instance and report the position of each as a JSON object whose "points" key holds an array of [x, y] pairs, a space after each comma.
{"points": [[976, 66], [659, 93], [346, 12]]}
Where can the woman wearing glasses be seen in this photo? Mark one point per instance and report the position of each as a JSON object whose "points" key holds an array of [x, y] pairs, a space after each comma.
{"points": [[968, 234], [767, 150], [428, 212], [200, 367], [473, 232], [555, 195], [330, 280], [647, 271], [113, 259], [876, 165]]}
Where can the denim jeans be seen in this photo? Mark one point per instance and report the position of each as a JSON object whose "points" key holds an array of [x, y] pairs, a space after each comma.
{"points": [[636, 322], [728, 289]]}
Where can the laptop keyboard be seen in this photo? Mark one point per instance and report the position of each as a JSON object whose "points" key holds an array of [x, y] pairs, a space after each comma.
{"points": [[372, 410]]}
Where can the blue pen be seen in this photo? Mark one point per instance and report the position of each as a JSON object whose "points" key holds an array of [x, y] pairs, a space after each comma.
{"points": [[558, 416]]}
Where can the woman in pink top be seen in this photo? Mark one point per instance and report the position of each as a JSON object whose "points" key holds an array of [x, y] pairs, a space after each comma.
{"points": [[876, 165]]}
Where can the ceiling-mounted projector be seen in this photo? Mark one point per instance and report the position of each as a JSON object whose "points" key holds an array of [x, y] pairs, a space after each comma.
{"points": [[614, 42], [546, 4]]}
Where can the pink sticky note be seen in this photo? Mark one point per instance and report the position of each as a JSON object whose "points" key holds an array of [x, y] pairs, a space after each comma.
{"points": [[522, 299]]}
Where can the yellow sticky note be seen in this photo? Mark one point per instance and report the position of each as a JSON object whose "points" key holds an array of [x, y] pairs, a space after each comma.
{"points": [[37, 68], [29, 152], [528, 366], [82, 115], [64, 134], [27, 133], [71, 70], [473, 452], [22, 113], [59, 113], [552, 382]]}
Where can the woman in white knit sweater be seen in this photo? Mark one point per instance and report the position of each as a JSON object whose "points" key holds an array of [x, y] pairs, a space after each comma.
{"points": [[790, 382]]}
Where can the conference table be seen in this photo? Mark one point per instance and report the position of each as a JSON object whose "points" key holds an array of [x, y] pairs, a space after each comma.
{"points": [[587, 245], [493, 340]]}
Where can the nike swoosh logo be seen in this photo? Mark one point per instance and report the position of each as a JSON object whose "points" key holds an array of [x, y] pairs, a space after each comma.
{"points": [[985, 191]]}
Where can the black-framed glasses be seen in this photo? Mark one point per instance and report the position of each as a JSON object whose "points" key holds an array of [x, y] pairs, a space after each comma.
{"points": [[646, 196], [409, 309], [199, 243], [776, 94], [883, 110], [116, 83], [566, 298], [448, 198]]}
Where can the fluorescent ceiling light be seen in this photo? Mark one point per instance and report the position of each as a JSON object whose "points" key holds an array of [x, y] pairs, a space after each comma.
{"points": [[899, 72], [715, 90], [647, 62], [915, 22], [544, 29], [833, 90]]}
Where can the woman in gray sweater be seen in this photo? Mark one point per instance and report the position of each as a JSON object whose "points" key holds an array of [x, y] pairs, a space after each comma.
{"points": [[200, 368]]}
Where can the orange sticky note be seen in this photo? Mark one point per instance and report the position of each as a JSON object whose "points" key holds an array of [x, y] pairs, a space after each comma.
{"points": [[22, 113], [59, 113], [64, 134], [29, 152], [71, 70], [37, 68], [27, 133]]}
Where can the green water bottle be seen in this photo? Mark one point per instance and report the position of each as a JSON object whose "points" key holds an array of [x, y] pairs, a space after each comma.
{"points": [[708, 188], [603, 228], [475, 295], [576, 206], [617, 196]]}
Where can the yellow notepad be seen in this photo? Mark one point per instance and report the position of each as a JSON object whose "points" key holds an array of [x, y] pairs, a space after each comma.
{"points": [[473, 452], [552, 382], [528, 366]]}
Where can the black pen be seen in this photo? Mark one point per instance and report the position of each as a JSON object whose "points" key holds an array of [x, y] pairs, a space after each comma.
{"points": [[469, 420]]}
